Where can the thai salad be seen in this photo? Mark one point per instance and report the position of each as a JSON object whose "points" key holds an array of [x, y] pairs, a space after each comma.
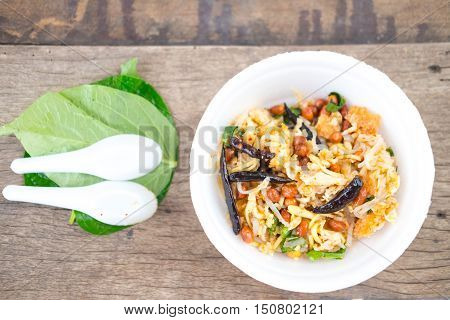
{"points": [[306, 179]]}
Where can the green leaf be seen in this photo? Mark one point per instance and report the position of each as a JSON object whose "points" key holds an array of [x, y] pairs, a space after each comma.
{"points": [[129, 68], [228, 132], [316, 255], [390, 151], [333, 107], [60, 141], [370, 198], [295, 111], [141, 88], [80, 116], [37, 179], [93, 226]]}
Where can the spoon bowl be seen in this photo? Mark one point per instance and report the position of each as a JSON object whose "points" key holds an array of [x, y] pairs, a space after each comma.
{"points": [[119, 203], [119, 157]]}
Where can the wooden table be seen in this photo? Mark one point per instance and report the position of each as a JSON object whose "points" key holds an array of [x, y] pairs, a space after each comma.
{"points": [[222, 22], [169, 256]]}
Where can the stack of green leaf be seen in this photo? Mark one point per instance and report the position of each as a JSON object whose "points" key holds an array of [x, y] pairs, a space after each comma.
{"points": [[78, 117]]}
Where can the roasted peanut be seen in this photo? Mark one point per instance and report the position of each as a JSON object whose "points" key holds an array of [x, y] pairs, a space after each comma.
{"points": [[289, 191], [302, 150], [308, 113], [335, 225], [320, 103], [229, 154], [273, 194], [299, 140], [285, 215], [302, 228], [247, 234], [336, 137], [277, 110]]}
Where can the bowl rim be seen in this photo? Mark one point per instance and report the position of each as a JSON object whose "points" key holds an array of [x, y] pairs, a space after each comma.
{"points": [[224, 249]]}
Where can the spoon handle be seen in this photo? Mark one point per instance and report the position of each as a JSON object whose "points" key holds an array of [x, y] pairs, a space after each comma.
{"points": [[68, 198], [64, 162]]}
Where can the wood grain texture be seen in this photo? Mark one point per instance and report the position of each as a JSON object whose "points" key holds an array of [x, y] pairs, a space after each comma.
{"points": [[223, 22], [169, 256]]}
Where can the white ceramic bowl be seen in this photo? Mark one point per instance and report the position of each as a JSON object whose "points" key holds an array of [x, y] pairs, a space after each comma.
{"points": [[272, 81]]}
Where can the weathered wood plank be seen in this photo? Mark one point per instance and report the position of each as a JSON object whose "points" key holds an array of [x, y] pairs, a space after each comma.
{"points": [[169, 256], [225, 22]]}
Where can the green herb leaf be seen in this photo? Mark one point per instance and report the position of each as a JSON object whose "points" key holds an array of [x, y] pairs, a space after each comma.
{"points": [[141, 88], [340, 99], [285, 232], [316, 255], [333, 107], [273, 228], [370, 198], [228, 132], [390, 151], [84, 107], [37, 179], [295, 111], [93, 226]]}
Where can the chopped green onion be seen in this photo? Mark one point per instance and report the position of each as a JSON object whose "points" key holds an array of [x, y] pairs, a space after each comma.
{"points": [[228, 132], [390, 151], [290, 243], [274, 225], [285, 232], [316, 255], [295, 111], [370, 198]]}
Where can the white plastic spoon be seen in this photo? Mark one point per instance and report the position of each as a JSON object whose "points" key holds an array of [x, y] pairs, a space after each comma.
{"points": [[120, 157], [118, 203]]}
